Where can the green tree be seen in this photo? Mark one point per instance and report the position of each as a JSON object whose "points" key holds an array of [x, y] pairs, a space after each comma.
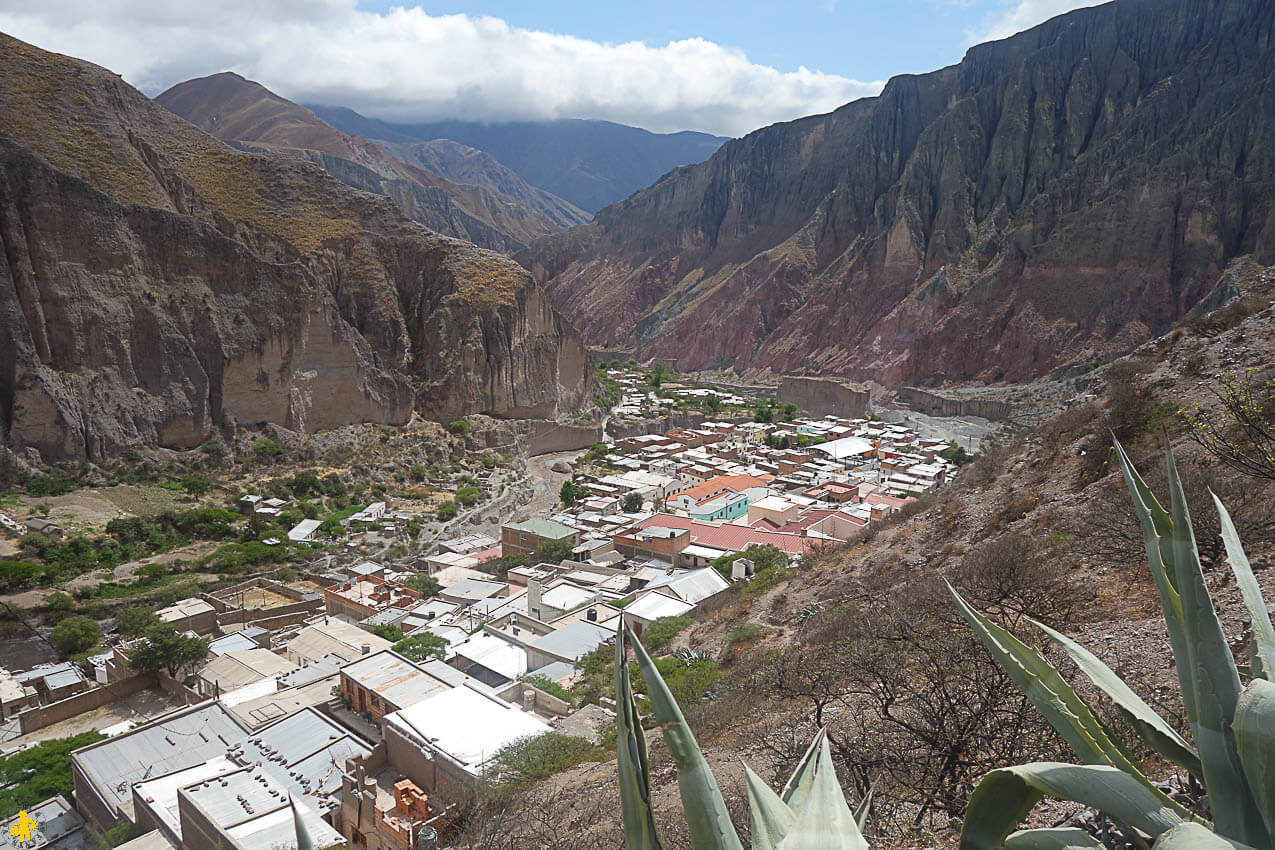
{"points": [[763, 414], [712, 403], [469, 496], [58, 605], [447, 511], [266, 450], [787, 411], [165, 648], [419, 472], [567, 493], [554, 551], [657, 374], [422, 646], [425, 585], [195, 485], [75, 634], [331, 527], [389, 632], [133, 621], [631, 502]]}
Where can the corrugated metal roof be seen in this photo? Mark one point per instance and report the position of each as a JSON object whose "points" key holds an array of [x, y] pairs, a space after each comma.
{"points": [[655, 605], [545, 528], [173, 742], [232, 642], [398, 680], [494, 653], [575, 640]]}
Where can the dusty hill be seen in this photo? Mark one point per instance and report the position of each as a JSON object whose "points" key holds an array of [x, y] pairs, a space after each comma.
{"points": [[1070, 191], [590, 163], [865, 641], [503, 216], [158, 285]]}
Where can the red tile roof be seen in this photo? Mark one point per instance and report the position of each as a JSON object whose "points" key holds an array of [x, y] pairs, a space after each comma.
{"points": [[734, 537], [722, 483]]}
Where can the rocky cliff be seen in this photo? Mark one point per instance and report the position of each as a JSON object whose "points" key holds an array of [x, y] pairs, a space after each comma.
{"points": [[1068, 191], [157, 285], [503, 214]]}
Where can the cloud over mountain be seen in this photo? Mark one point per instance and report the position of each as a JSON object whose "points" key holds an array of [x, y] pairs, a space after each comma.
{"points": [[406, 65]]}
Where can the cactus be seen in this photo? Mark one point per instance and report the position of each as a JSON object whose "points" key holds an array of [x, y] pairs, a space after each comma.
{"points": [[1233, 726], [810, 812]]}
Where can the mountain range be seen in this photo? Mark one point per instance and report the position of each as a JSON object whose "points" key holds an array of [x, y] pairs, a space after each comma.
{"points": [[1066, 192], [590, 163], [158, 287], [487, 204]]}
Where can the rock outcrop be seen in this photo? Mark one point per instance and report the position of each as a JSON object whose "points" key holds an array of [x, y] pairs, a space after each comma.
{"points": [[157, 286], [1066, 192], [246, 113]]}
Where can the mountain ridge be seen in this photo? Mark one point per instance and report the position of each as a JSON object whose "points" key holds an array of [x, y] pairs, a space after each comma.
{"points": [[159, 287], [244, 112], [589, 163], [982, 221]]}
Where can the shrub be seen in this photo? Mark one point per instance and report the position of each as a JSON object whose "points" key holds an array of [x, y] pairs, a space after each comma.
{"points": [[531, 759], [662, 630], [266, 450], [469, 496], [460, 428], [567, 493], [75, 634], [744, 633], [42, 771], [548, 685], [447, 511], [195, 485]]}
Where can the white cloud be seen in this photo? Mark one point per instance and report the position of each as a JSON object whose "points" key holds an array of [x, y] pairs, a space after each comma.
{"points": [[1022, 15], [404, 64]]}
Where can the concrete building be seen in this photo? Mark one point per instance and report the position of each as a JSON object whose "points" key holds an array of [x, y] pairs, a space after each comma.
{"points": [[332, 638], [386, 681], [443, 743], [190, 615], [361, 598], [524, 538], [58, 827]]}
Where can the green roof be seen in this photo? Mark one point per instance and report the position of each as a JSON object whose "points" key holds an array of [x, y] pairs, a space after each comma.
{"points": [[546, 528]]}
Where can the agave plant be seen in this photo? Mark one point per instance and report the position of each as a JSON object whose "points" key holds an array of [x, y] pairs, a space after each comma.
{"points": [[1232, 726], [810, 813]]}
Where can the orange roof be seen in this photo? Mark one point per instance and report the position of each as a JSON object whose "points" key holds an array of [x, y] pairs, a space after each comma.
{"points": [[735, 483]]}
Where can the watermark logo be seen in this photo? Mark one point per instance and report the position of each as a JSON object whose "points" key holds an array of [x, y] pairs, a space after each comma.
{"points": [[23, 827]]}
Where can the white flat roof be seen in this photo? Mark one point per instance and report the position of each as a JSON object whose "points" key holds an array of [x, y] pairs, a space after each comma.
{"points": [[466, 725]]}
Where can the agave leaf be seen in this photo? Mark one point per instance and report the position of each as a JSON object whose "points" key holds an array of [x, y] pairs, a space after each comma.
{"points": [[770, 816], [1055, 699], [631, 759], [706, 816], [1194, 836], [1051, 839], [1255, 739], [1262, 645], [824, 822], [803, 777], [1211, 671], [1005, 796], [1158, 734], [1157, 527], [864, 808]]}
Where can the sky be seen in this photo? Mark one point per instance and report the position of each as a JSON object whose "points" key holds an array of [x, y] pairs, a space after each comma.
{"points": [[666, 65]]}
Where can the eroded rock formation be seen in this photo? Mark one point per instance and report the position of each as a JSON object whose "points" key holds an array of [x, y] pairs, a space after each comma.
{"points": [[156, 285]]}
